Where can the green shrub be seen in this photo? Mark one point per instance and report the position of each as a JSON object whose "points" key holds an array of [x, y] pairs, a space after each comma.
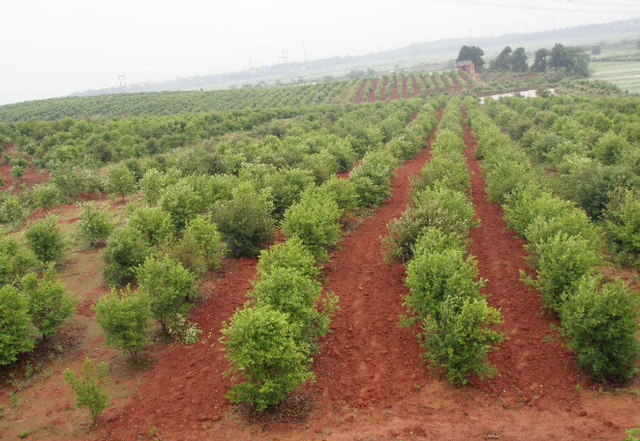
{"points": [[46, 195], [315, 221], [15, 325], [437, 207], [461, 339], [120, 181], [245, 221], [342, 191], [124, 318], [622, 221], [434, 277], [89, 388], [94, 225], [288, 291], [506, 177], [12, 210], [182, 203], [448, 170], [267, 360], [560, 262], [50, 304], [169, 286], [611, 148], [601, 323], [15, 260], [372, 178], [124, 252], [154, 225], [289, 254], [201, 247], [44, 239]]}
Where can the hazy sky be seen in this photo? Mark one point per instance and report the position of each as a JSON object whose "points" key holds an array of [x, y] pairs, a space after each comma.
{"points": [[52, 48]]}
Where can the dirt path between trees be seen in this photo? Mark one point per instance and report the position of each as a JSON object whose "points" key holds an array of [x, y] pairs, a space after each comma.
{"points": [[372, 94], [359, 92]]}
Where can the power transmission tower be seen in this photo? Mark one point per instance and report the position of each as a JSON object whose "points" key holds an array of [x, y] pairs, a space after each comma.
{"points": [[122, 79]]}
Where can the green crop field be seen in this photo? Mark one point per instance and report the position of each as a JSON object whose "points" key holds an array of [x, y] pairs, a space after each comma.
{"points": [[624, 74]]}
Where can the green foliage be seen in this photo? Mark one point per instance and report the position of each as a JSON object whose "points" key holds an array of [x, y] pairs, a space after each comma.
{"points": [[472, 53], [46, 195], [289, 254], [182, 203], [622, 221], [372, 178], [124, 317], [265, 355], [315, 221], [169, 286], [154, 225], [94, 225], [437, 207], [15, 260], [12, 210], [50, 304], [15, 325], [124, 252], [44, 238], [245, 221], [560, 262], [600, 321], [120, 181], [200, 248], [611, 148], [89, 388], [461, 339], [343, 192]]}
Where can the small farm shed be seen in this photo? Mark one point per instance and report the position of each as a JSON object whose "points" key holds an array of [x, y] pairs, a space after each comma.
{"points": [[466, 66]]}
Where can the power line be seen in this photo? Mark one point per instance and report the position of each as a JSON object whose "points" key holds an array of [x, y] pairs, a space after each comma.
{"points": [[596, 3], [536, 8]]}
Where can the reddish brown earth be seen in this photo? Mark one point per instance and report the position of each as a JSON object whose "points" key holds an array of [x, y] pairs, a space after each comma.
{"points": [[359, 92], [456, 84], [372, 94], [467, 81], [383, 93], [31, 177]]}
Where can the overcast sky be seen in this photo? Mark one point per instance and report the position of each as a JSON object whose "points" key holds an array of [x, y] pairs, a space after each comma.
{"points": [[51, 48]]}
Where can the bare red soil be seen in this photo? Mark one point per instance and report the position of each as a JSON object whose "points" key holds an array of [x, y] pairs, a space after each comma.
{"points": [[31, 177], [405, 89], [383, 92], [456, 84], [359, 92], [467, 81], [372, 94]]}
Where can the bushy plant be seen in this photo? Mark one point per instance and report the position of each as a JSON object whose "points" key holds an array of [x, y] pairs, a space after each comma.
{"points": [[622, 221], [124, 317], [461, 339], [120, 181], [342, 191], [46, 195], [12, 210], [154, 225], [169, 286], [289, 254], [89, 388], [15, 260], [50, 304], [182, 203], [124, 252], [315, 221], [601, 323], [449, 170], [94, 225], [267, 360], [372, 178], [245, 221], [44, 238], [611, 148], [200, 248], [15, 325]]}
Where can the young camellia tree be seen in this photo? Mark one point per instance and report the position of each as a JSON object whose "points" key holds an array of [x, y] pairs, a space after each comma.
{"points": [[50, 304], [125, 250], [89, 388], [265, 355], [94, 225], [169, 286], [15, 325], [15, 260], [124, 317], [44, 238], [120, 181], [46, 195]]}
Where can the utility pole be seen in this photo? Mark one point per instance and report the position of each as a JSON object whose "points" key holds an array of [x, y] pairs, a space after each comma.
{"points": [[122, 79]]}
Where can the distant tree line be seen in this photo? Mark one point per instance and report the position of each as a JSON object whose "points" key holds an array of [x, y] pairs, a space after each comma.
{"points": [[574, 60]]}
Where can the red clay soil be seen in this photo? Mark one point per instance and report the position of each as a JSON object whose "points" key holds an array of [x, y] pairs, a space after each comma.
{"points": [[368, 360], [456, 84], [359, 92], [393, 95], [372, 94], [31, 177], [405, 91], [383, 92], [466, 80], [186, 387]]}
